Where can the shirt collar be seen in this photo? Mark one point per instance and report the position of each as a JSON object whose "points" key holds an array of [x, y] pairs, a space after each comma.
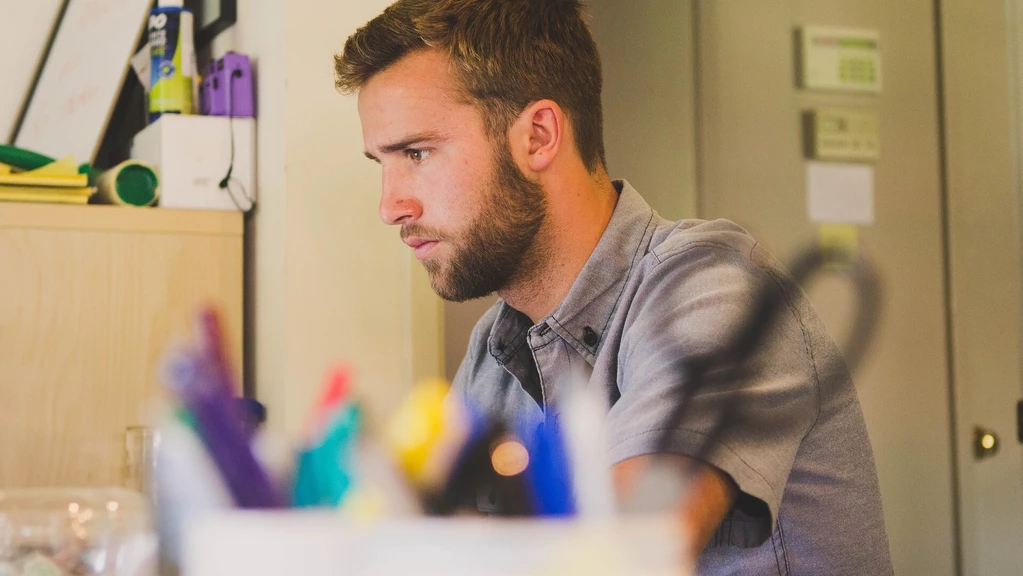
{"points": [[583, 316]]}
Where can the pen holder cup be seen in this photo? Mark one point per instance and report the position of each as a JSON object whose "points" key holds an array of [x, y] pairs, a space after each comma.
{"points": [[84, 532], [322, 544]]}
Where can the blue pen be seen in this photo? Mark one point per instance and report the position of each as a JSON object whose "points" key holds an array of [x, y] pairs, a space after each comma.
{"points": [[550, 472]]}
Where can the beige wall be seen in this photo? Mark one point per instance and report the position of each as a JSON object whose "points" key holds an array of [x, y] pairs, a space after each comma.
{"points": [[752, 171], [647, 54], [328, 281]]}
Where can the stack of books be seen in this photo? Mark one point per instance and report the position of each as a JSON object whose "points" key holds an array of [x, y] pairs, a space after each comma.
{"points": [[56, 182]]}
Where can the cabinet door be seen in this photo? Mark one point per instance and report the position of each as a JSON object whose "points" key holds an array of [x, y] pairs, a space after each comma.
{"points": [[84, 318], [982, 134]]}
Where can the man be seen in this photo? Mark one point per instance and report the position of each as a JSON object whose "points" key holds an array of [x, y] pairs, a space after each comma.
{"points": [[486, 118]]}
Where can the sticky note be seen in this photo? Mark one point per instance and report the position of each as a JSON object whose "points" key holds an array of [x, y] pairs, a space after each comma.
{"points": [[843, 239], [840, 193]]}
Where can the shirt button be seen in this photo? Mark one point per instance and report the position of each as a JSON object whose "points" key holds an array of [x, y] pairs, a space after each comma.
{"points": [[590, 337]]}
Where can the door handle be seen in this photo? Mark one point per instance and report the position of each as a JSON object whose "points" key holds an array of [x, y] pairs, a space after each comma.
{"points": [[985, 443]]}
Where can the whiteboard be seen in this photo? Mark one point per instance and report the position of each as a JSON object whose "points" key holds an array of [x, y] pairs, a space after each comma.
{"points": [[25, 29], [82, 77]]}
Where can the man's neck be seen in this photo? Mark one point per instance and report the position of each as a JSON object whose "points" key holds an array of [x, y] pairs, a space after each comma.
{"points": [[578, 213]]}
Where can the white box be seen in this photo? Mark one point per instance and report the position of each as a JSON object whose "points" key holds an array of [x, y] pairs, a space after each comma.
{"points": [[192, 155]]}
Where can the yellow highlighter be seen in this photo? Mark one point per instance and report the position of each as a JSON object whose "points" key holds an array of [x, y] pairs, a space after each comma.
{"points": [[427, 432]]}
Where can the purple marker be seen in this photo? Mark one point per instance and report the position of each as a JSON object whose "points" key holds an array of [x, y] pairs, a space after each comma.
{"points": [[208, 395]]}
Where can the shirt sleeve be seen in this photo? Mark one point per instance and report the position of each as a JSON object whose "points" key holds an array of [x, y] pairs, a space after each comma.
{"points": [[690, 306]]}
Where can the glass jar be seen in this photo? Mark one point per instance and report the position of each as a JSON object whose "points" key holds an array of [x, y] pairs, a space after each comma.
{"points": [[76, 532], [140, 446]]}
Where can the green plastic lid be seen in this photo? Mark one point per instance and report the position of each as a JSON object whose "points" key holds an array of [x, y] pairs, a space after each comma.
{"points": [[136, 185]]}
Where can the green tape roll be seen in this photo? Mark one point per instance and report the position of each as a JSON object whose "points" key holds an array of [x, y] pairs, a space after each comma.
{"points": [[131, 183]]}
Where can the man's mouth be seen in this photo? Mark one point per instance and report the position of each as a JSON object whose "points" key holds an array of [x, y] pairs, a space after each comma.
{"points": [[421, 246]]}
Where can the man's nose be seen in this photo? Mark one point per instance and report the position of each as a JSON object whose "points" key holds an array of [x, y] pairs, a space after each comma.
{"points": [[397, 205]]}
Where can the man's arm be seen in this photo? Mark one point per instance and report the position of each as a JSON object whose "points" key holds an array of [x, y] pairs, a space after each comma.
{"points": [[710, 496]]}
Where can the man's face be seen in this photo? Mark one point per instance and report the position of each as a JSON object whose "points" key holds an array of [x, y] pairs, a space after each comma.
{"points": [[462, 204]]}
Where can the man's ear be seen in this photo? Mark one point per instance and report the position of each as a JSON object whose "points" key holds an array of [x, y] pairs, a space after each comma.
{"points": [[537, 135]]}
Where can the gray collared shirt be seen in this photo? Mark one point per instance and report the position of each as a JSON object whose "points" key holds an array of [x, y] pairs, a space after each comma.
{"points": [[654, 294]]}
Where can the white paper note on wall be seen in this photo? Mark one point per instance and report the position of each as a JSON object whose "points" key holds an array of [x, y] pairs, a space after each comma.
{"points": [[840, 193]]}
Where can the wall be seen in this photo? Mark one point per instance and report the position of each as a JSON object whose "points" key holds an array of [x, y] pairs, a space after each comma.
{"points": [[647, 53], [752, 171], [327, 281]]}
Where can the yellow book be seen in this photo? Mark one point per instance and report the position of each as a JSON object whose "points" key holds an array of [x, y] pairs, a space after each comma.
{"points": [[85, 191], [51, 197], [66, 166], [61, 173]]}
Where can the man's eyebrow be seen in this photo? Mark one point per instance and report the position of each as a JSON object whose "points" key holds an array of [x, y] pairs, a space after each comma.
{"points": [[406, 143]]}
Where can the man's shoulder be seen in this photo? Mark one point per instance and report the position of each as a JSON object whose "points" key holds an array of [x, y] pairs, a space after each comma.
{"points": [[697, 285], [691, 257], [674, 238]]}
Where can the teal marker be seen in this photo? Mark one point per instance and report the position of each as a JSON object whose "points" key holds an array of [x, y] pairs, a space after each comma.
{"points": [[172, 59], [325, 472]]}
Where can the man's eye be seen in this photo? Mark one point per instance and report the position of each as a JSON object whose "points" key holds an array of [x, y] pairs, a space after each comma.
{"points": [[416, 155]]}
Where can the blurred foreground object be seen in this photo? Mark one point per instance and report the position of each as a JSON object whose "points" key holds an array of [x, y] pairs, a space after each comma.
{"points": [[323, 544], [80, 532]]}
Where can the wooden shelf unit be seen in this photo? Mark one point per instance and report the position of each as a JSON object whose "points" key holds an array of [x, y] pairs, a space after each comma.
{"points": [[90, 297]]}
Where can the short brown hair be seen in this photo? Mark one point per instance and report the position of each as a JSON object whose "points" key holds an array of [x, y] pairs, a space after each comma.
{"points": [[507, 54]]}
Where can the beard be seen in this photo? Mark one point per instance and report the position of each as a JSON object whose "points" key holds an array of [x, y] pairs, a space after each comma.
{"points": [[498, 247]]}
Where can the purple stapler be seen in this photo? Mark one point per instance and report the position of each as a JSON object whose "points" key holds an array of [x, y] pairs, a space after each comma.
{"points": [[227, 88]]}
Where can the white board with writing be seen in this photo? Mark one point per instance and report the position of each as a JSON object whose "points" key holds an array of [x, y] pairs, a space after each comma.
{"points": [[25, 30], [82, 77]]}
